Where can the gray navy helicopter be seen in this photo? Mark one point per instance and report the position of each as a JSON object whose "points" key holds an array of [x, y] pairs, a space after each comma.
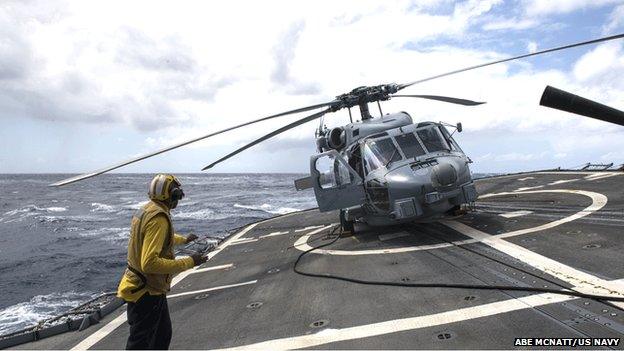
{"points": [[389, 170]]}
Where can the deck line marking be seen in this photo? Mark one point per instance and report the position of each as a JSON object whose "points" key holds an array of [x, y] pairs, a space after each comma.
{"points": [[244, 241], [525, 178], [385, 237], [584, 282], [211, 289], [405, 324], [528, 188], [273, 234], [308, 228], [101, 333], [598, 202], [600, 176], [514, 214], [557, 182], [206, 269]]}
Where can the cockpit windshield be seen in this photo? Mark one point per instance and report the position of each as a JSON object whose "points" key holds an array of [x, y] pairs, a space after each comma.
{"points": [[432, 139], [409, 145], [379, 153]]}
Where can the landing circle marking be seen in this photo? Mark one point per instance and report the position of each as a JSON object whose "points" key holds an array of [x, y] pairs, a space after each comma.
{"points": [[598, 202]]}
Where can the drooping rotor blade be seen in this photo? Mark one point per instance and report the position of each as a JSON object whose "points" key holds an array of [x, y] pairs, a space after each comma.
{"points": [[564, 101], [612, 37], [169, 148], [268, 136], [444, 99]]}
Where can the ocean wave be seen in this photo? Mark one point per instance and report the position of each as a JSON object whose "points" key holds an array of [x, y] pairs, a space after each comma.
{"points": [[135, 206], [40, 307], [115, 235], [205, 213], [21, 213], [268, 208], [57, 219], [98, 207]]}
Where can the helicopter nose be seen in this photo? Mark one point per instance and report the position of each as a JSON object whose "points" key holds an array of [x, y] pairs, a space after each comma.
{"points": [[443, 174]]}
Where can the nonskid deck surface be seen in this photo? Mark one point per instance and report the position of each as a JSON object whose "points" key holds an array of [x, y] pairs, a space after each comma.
{"points": [[544, 229]]}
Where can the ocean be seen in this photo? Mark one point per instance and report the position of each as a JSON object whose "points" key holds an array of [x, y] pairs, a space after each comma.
{"points": [[60, 247]]}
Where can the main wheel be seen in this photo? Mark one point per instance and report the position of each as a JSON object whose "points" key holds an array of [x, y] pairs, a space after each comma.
{"points": [[347, 225]]}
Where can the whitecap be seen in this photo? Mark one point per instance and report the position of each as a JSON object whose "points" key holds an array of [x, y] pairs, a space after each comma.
{"points": [[40, 307], [136, 206], [205, 213], [98, 207], [115, 235]]}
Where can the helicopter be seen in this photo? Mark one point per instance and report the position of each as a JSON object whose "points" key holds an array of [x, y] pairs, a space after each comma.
{"points": [[386, 170]]}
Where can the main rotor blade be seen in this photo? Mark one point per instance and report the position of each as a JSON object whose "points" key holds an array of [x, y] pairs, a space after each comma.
{"points": [[564, 101], [613, 37], [452, 100], [268, 136], [169, 148]]}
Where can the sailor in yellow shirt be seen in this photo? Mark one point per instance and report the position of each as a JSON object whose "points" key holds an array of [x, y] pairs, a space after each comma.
{"points": [[152, 264]]}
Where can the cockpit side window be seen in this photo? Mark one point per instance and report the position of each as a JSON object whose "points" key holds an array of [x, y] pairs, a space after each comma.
{"points": [[432, 139], [409, 145], [449, 138], [379, 153]]}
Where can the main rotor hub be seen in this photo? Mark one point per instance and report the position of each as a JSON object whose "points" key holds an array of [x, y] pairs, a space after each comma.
{"points": [[361, 96]]}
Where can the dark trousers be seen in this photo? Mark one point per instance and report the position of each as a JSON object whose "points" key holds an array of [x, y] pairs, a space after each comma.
{"points": [[150, 325]]}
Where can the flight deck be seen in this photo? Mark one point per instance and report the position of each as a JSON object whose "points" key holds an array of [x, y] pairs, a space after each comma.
{"points": [[551, 229]]}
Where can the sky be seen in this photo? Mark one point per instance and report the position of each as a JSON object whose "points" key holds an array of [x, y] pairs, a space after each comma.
{"points": [[85, 84]]}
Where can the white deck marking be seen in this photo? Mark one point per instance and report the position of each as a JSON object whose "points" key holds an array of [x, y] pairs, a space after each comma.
{"points": [[598, 201], [308, 228], [405, 324], [214, 268], [515, 214], [525, 178], [98, 335], [584, 282], [244, 241], [327, 336], [273, 234], [385, 237], [563, 181], [211, 289], [528, 188], [597, 176]]}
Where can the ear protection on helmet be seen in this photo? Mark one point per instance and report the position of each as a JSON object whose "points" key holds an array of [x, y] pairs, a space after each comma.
{"points": [[164, 187], [177, 194]]}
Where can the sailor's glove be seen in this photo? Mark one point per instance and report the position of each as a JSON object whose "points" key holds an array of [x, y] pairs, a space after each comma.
{"points": [[198, 259], [191, 238]]}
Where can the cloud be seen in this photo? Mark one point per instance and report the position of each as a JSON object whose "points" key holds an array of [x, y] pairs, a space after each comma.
{"points": [[511, 23], [284, 54], [616, 20], [547, 7]]}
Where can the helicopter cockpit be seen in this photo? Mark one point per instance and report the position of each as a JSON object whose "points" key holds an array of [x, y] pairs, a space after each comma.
{"points": [[381, 150]]}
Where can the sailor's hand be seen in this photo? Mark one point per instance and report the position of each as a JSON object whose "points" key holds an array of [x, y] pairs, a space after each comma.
{"points": [[191, 238], [198, 259]]}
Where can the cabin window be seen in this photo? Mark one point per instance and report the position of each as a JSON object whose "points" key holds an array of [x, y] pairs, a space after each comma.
{"points": [[432, 140], [333, 173], [380, 153], [409, 145]]}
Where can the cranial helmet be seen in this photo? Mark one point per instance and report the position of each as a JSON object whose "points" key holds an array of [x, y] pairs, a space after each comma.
{"points": [[166, 188]]}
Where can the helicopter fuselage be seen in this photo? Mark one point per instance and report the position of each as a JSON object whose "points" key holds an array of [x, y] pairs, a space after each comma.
{"points": [[388, 170]]}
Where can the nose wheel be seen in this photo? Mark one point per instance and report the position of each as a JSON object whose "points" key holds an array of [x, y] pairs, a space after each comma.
{"points": [[347, 225]]}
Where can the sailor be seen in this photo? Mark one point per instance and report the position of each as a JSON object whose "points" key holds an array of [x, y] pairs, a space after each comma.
{"points": [[152, 264]]}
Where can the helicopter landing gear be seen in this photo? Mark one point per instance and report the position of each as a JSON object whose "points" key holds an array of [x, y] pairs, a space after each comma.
{"points": [[348, 226]]}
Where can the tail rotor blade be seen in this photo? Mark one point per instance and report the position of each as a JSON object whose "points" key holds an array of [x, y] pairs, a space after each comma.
{"points": [[564, 101], [589, 42], [452, 100], [268, 136], [169, 148]]}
